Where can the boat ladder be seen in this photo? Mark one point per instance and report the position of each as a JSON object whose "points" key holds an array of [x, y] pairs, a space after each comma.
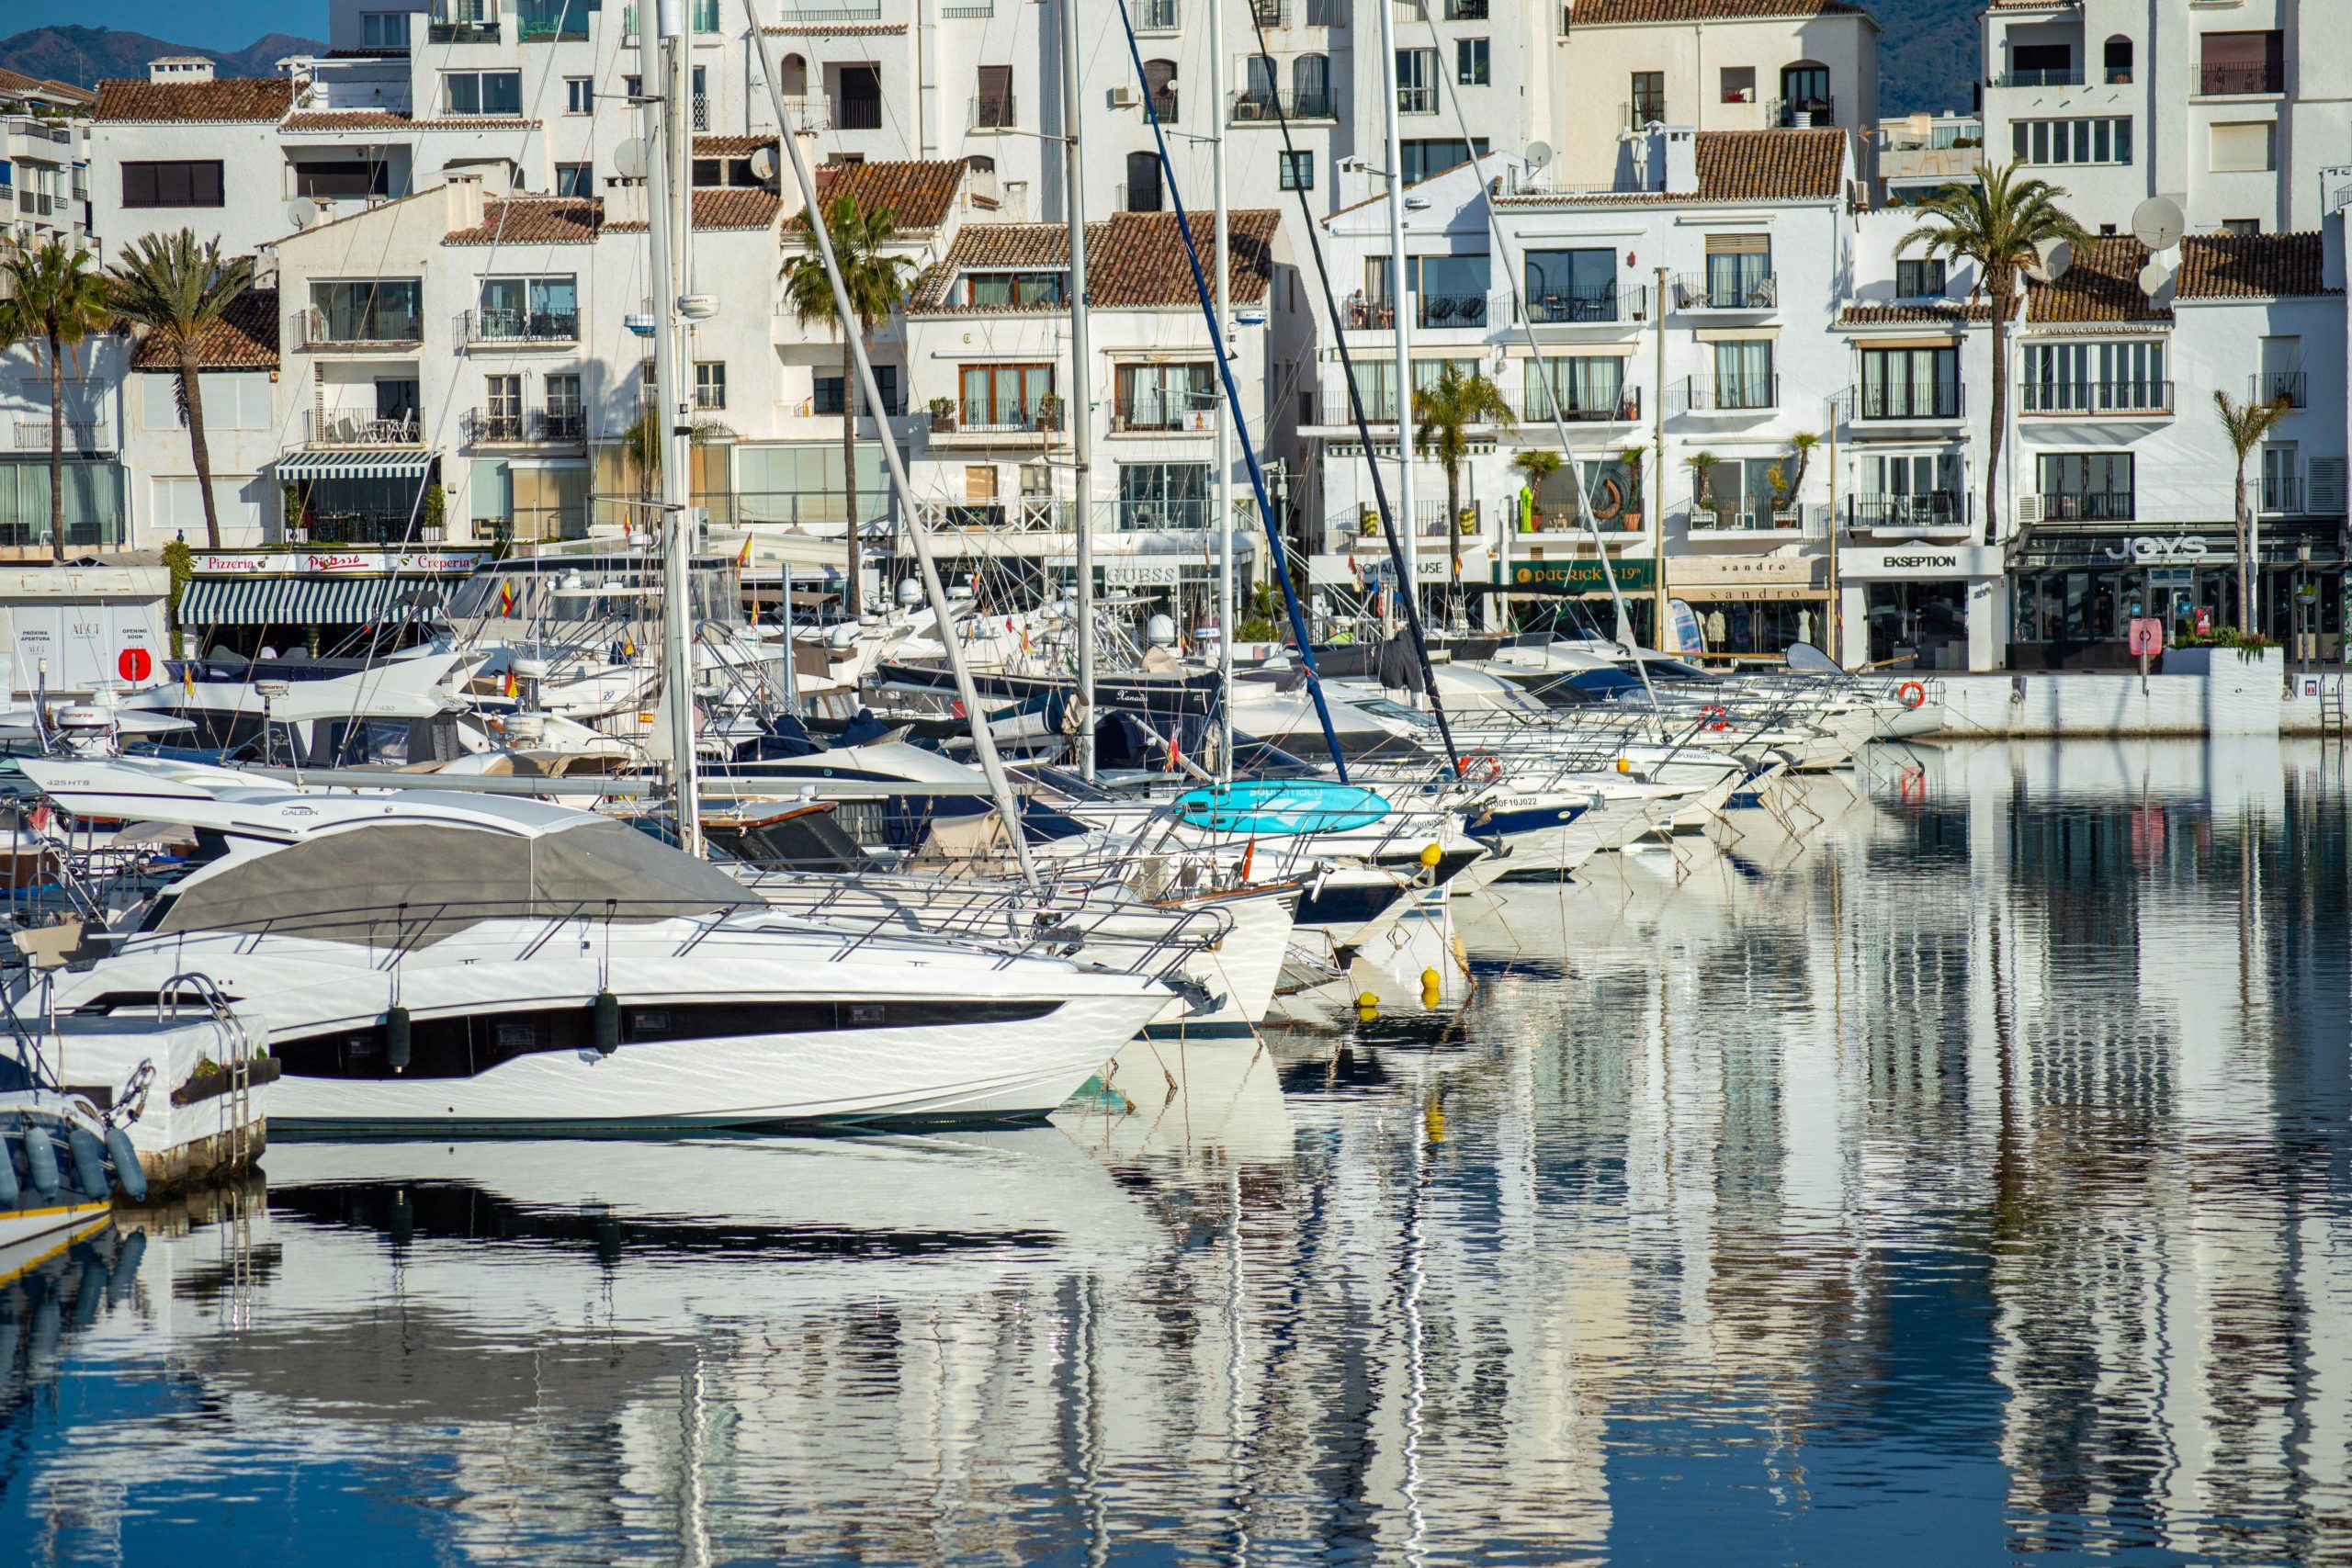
{"points": [[236, 1057], [2331, 709]]}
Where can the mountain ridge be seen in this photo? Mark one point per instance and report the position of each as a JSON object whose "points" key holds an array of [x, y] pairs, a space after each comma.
{"points": [[87, 56]]}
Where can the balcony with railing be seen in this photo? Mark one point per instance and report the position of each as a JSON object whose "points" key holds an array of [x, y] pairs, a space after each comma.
{"points": [[2086, 506], [993, 111], [468, 21], [822, 13], [2095, 400], [36, 203], [1270, 13], [855, 113], [358, 332], [551, 21], [1575, 407], [1814, 109], [2282, 386], [809, 111], [1911, 404], [506, 427], [993, 417], [1149, 412], [1728, 292], [1724, 395], [1611, 305], [361, 427], [2240, 80], [1417, 100], [506, 329], [1469, 10], [1021, 515], [82, 436], [1739, 516], [1266, 106], [2280, 496], [1158, 17], [1641, 114], [1937, 514], [2038, 76]]}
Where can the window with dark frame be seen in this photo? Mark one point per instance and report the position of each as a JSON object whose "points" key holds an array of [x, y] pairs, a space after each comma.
{"points": [[1298, 170], [185, 183]]}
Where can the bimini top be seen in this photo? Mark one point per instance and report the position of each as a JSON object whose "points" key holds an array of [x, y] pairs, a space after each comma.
{"points": [[404, 869]]}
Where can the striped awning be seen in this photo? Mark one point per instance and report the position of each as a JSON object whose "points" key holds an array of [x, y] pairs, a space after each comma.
{"points": [[369, 464], [294, 600]]}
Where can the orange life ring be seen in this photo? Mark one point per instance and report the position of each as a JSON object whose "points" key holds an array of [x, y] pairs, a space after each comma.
{"points": [[1492, 765], [1912, 693], [1719, 714]]}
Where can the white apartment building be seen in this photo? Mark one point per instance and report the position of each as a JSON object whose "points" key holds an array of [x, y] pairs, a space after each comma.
{"points": [[2241, 111], [238, 380], [1708, 65], [987, 349], [2120, 470], [1685, 312], [44, 150]]}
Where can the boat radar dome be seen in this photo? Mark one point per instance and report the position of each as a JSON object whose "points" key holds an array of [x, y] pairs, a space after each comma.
{"points": [[910, 594], [1160, 631]]}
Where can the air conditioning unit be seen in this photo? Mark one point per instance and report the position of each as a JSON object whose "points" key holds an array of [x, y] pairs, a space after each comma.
{"points": [[1124, 98], [2029, 509]]}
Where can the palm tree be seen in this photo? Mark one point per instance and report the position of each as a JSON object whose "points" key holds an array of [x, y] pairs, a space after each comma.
{"points": [[877, 283], [1999, 224], [2247, 425], [178, 290], [1442, 415], [1802, 445], [1539, 464], [55, 297]]}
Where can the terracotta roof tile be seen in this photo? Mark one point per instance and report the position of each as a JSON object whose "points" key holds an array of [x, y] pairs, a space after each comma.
{"points": [[2103, 284], [1951, 314], [531, 220], [1734, 165], [2252, 266], [835, 29], [721, 209], [244, 338], [1603, 13], [1136, 260], [1769, 165], [230, 99], [919, 193], [18, 82], [336, 120]]}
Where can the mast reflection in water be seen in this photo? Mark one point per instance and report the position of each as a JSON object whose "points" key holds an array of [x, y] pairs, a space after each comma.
{"points": [[1963, 1177]]}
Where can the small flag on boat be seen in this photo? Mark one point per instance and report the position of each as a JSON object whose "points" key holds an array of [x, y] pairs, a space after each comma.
{"points": [[506, 597], [512, 687], [187, 677], [744, 560]]}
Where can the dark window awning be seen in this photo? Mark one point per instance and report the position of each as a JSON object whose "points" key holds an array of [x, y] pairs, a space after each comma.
{"points": [[304, 466], [303, 600]]}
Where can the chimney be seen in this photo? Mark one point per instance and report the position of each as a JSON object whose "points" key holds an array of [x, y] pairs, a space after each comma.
{"points": [[1674, 161], [180, 68], [465, 200], [624, 202], [2330, 255], [787, 187]]}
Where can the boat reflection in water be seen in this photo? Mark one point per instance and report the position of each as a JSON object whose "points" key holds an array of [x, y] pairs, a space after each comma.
{"points": [[1978, 1176]]}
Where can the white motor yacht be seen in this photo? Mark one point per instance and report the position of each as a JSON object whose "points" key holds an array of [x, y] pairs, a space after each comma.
{"points": [[430, 962]]}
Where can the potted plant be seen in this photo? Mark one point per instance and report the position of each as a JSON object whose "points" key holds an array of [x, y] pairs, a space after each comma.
{"points": [[436, 507], [1702, 491], [1049, 412], [1539, 464], [1465, 522], [1633, 458], [297, 530], [1368, 524], [943, 414]]}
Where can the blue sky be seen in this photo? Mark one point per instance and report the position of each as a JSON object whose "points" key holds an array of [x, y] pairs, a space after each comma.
{"points": [[221, 24]]}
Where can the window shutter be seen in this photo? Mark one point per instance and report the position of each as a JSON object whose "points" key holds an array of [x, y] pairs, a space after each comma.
{"points": [[2327, 486], [1739, 244]]}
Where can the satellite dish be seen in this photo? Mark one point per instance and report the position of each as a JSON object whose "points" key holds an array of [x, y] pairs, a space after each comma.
{"points": [[301, 212], [2153, 279], [2052, 258], [629, 159], [1539, 154], [2157, 224], [764, 165]]}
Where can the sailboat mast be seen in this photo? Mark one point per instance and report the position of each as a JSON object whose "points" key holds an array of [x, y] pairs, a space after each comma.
{"points": [[1081, 380], [894, 463], [1399, 302], [1221, 504], [663, 63]]}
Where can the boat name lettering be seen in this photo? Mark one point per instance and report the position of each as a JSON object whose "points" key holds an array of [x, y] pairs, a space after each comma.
{"points": [[2148, 547]]}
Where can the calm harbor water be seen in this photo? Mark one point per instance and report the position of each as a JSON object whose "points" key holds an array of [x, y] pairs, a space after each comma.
{"points": [[1968, 1181]]}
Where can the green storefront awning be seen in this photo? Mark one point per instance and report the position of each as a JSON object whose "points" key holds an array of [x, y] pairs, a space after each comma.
{"points": [[293, 601]]}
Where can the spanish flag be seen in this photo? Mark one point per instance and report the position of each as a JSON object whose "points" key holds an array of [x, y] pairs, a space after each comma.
{"points": [[744, 560], [512, 687], [506, 597]]}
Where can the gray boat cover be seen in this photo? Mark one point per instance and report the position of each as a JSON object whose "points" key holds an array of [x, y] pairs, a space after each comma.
{"points": [[409, 884]]}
